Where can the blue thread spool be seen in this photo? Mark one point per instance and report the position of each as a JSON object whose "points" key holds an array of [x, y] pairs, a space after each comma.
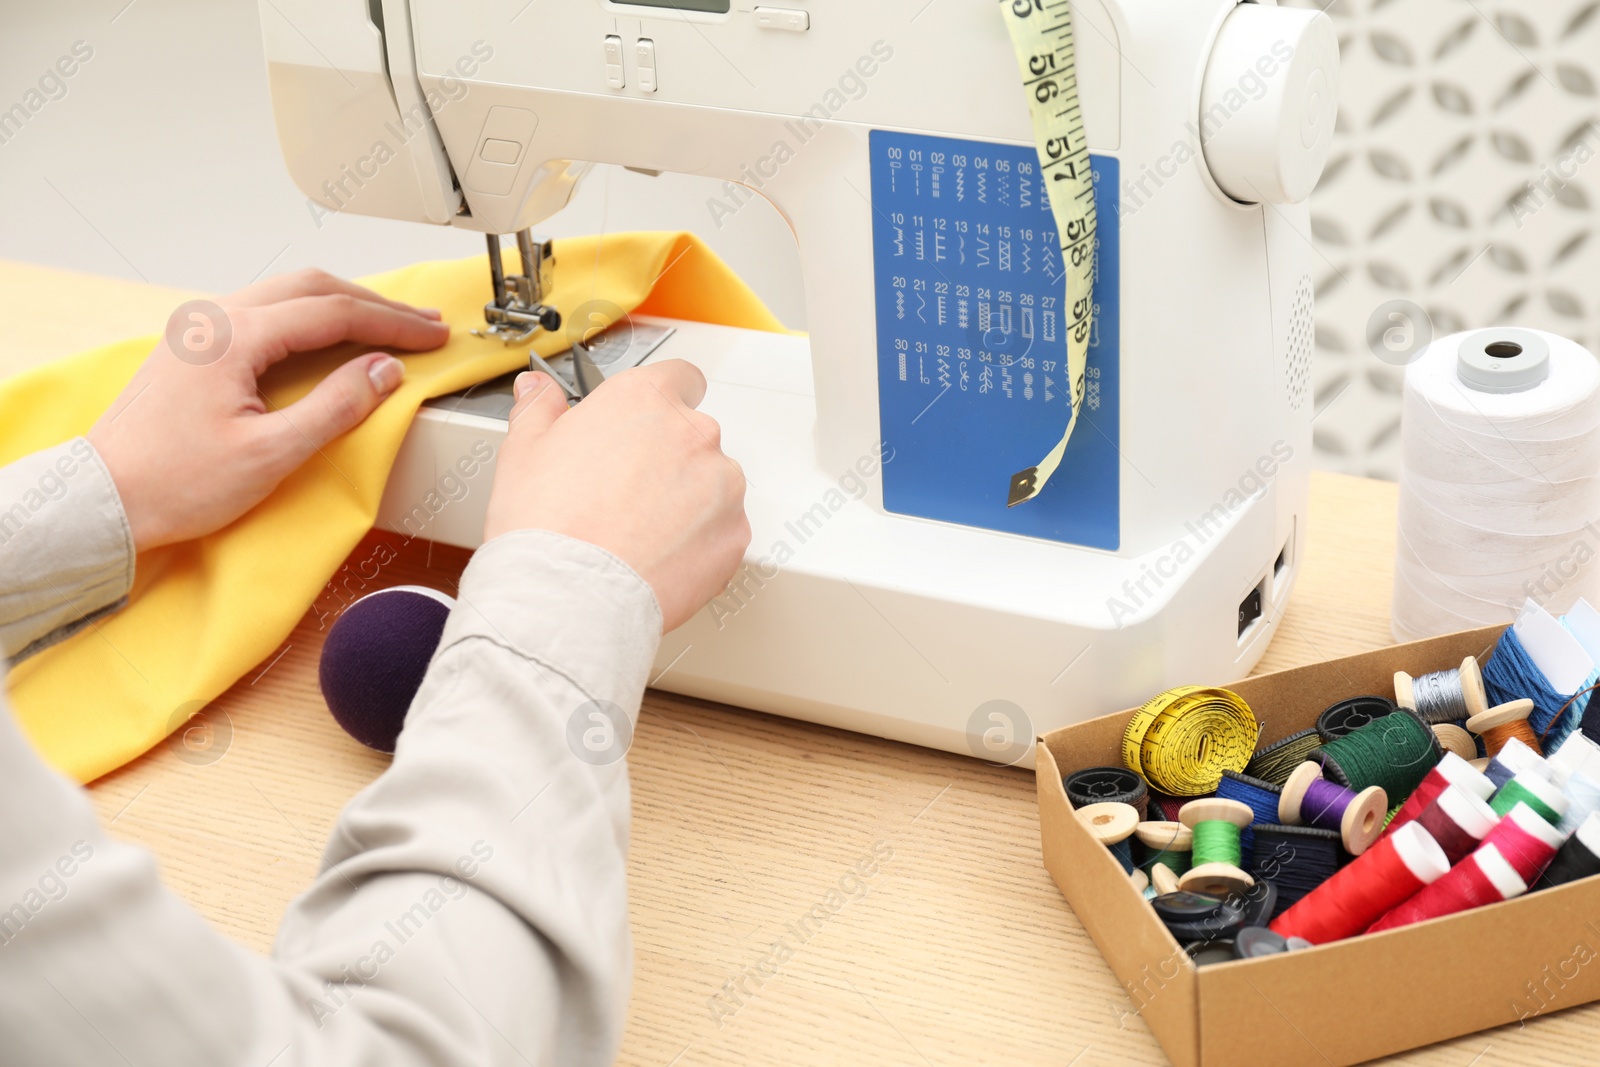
{"points": [[1511, 675], [1259, 796], [1112, 824]]}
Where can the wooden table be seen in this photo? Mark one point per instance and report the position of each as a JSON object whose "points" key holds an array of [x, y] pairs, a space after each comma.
{"points": [[960, 952]]}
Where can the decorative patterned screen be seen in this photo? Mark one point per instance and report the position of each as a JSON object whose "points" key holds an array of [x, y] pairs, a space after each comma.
{"points": [[1465, 179]]}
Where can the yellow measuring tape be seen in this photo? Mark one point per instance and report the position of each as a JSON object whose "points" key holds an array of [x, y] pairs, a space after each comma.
{"points": [[1041, 33], [1185, 738]]}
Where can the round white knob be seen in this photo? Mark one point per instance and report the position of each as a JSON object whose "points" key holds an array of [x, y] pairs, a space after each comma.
{"points": [[1268, 101]]}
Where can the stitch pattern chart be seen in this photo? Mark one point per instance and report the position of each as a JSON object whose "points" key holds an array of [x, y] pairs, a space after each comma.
{"points": [[972, 357]]}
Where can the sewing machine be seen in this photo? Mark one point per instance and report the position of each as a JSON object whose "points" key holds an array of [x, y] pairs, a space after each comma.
{"points": [[888, 587]]}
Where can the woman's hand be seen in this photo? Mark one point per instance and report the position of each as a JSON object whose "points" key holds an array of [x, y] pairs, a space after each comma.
{"points": [[191, 444], [634, 469]]}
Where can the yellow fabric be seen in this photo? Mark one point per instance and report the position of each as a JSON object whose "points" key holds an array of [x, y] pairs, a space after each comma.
{"points": [[203, 613]]}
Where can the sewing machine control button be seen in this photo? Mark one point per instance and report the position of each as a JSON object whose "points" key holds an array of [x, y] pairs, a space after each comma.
{"points": [[644, 51], [782, 18], [497, 151], [613, 50]]}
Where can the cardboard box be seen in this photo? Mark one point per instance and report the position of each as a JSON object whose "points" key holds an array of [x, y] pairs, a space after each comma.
{"points": [[1340, 1003]]}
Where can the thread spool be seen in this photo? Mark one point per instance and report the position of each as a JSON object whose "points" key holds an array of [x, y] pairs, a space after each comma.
{"points": [[1217, 854], [1163, 807], [1493, 485], [1182, 740], [1259, 796], [1165, 843], [1254, 942], [1514, 759], [1396, 868], [1450, 770], [1275, 762], [1484, 877], [1395, 753], [1459, 821], [1538, 793], [1351, 714], [1140, 880], [1577, 754], [1583, 800], [1526, 841], [1511, 674], [1296, 859], [1578, 858], [1443, 696], [1164, 878], [1503, 722], [1206, 953], [1453, 738], [1308, 799], [1112, 824], [1107, 785], [1589, 723]]}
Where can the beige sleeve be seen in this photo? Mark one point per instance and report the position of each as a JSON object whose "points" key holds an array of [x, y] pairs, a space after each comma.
{"points": [[472, 906], [66, 555]]}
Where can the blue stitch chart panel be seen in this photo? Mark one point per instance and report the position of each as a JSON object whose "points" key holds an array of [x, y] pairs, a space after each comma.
{"points": [[972, 354]]}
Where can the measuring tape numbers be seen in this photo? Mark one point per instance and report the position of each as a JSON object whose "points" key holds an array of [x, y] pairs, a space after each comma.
{"points": [[1041, 34]]}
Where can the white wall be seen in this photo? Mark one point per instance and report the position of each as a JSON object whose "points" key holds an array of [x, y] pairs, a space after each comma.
{"points": [[160, 162]]}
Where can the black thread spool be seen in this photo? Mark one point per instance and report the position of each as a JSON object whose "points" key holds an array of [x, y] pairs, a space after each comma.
{"points": [[1578, 858], [1295, 859], [1351, 714], [1107, 785]]}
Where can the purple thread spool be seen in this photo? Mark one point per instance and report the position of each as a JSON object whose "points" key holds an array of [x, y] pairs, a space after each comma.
{"points": [[1310, 800]]}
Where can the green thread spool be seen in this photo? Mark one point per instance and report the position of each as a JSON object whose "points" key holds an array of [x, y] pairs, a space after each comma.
{"points": [[1217, 841], [1177, 862], [1278, 760], [1163, 842], [1509, 795], [1395, 752], [1215, 824]]}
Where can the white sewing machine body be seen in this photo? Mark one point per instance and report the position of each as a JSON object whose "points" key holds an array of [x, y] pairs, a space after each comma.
{"points": [[1178, 514]]}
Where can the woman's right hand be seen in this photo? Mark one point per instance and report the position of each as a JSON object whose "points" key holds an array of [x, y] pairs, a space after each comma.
{"points": [[634, 469]]}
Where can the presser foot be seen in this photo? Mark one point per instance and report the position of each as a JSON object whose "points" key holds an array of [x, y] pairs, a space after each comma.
{"points": [[518, 310]]}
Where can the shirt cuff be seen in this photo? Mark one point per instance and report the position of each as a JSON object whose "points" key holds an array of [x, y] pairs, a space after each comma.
{"points": [[66, 552], [570, 606]]}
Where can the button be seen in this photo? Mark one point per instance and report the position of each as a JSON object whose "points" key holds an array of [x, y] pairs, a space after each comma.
{"points": [[503, 126], [644, 49], [497, 151], [613, 50], [782, 18]]}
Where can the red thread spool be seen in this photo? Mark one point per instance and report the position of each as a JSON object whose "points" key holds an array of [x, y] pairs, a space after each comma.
{"points": [[1526, 842], [1388, 873], [1459, 821], [1451, 770], [1482, 878]]}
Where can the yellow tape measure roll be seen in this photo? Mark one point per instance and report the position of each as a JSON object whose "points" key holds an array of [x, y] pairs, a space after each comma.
{"points": [[1185, 738], [1041, 33]]}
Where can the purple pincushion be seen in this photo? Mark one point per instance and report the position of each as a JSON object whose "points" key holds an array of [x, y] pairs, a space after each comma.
{"points": [[375, 657]]}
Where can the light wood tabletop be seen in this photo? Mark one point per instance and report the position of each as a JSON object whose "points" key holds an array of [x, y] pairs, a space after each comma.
{"points": [[957, 950]]}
